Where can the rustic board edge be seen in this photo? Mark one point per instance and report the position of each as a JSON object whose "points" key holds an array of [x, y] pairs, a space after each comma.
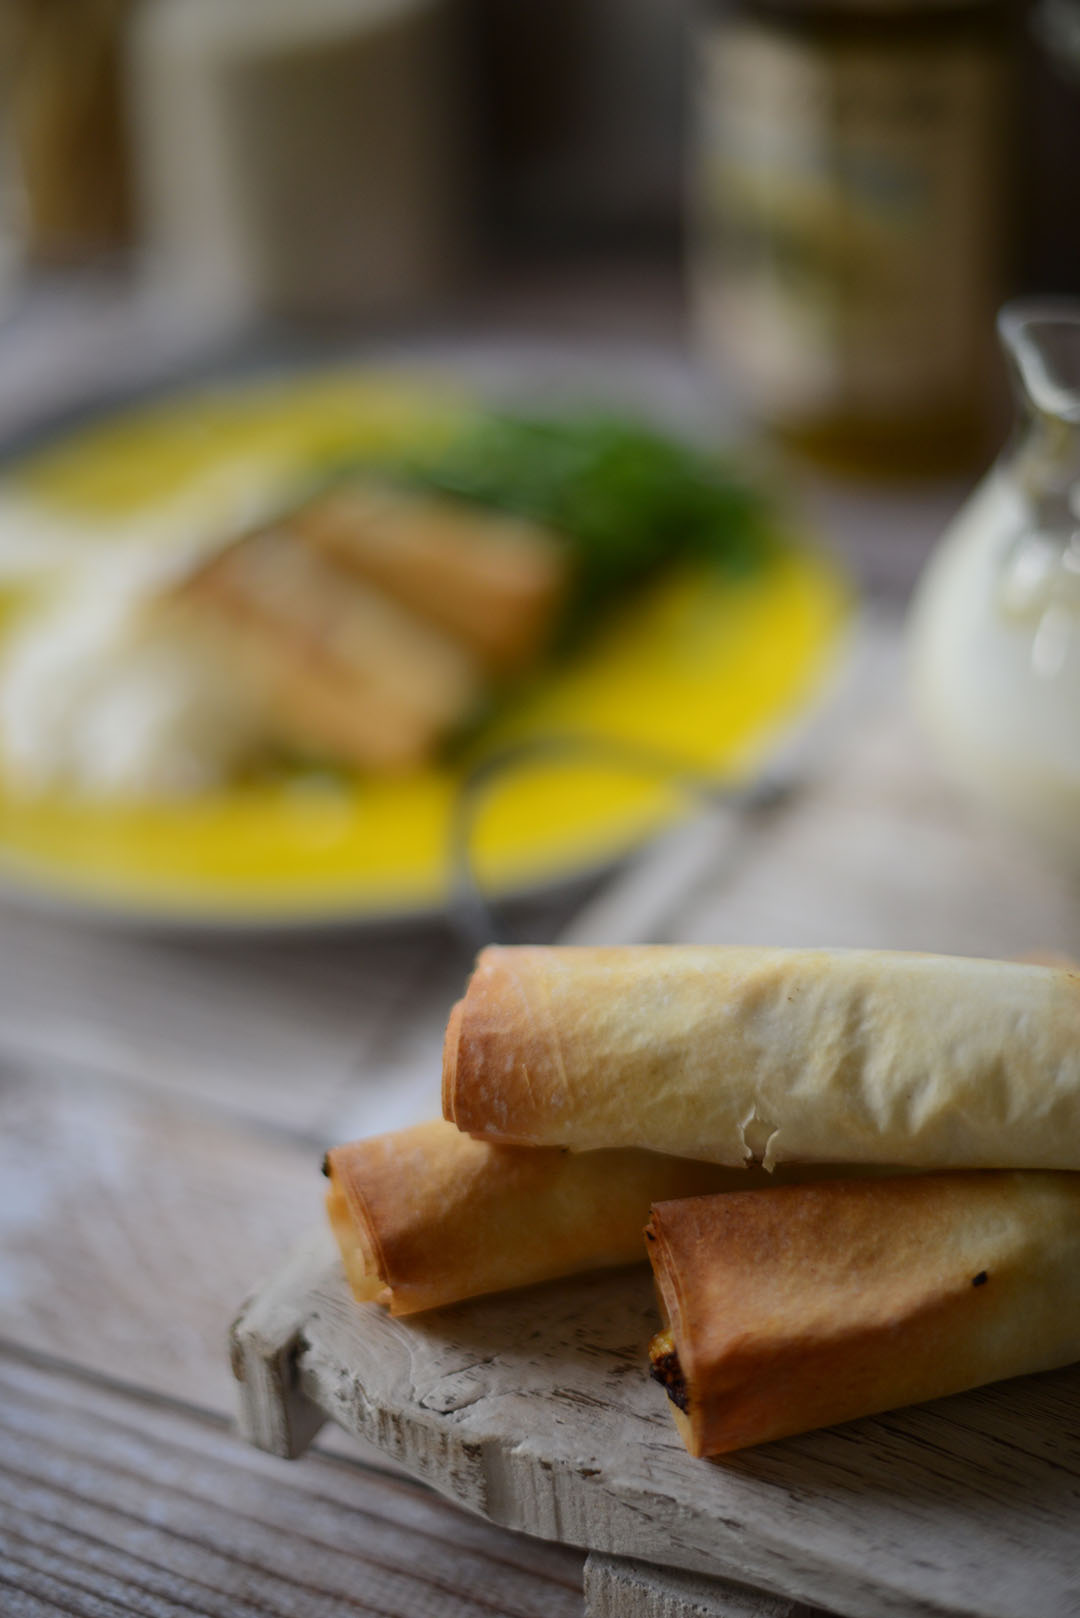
{"points": [[290, 1381], [453, 1399], [275, 1413], [620, 1587]]}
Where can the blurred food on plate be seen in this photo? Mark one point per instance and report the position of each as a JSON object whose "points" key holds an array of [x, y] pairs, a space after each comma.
{"points": [[362, 621], [362, 650]]}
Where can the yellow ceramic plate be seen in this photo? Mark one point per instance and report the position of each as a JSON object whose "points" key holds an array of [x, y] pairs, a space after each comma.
{"points": [[701, 670]]}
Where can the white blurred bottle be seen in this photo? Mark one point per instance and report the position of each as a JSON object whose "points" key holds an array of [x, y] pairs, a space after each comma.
{"points": [[300, 160], [995, 625]]}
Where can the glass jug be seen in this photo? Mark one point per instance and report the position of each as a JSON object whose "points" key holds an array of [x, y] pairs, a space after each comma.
{"points": [[995, 625]]}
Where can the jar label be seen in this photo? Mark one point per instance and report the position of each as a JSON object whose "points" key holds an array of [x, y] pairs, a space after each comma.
{"points": [[848, 201]]}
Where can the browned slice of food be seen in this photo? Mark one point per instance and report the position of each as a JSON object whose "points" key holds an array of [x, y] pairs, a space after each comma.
{"points": [[803, 1306], [427, 1216], [345, 670], [493, 581]]}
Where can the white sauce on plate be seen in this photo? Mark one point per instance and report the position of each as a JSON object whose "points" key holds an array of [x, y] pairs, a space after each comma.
{"points": [[99, 699]]}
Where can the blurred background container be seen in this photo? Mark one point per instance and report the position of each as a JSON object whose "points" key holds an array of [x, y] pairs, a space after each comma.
{"points": [[64, 79], [301, 161], [848, 189], [852, 198]]}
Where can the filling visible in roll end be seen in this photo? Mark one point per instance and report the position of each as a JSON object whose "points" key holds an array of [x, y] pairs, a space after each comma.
{"points": [[671, 1352], [664, 1367]]}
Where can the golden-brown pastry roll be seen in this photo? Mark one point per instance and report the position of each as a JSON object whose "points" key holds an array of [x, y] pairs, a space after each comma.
{"points": [[802, 1306], [770, 1055], [493, 581], [426, 1216]]}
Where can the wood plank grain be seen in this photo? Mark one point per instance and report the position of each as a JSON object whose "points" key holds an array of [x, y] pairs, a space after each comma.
{"points": [[130, 1226], [281, 1032], [534, 1409], [111, 1504]]}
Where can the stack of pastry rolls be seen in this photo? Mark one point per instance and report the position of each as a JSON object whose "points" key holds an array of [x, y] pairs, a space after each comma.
{"points": [[854, 1172]]}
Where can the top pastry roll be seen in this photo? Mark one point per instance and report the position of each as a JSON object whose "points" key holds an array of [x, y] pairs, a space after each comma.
{"points": [[739, 1056]]}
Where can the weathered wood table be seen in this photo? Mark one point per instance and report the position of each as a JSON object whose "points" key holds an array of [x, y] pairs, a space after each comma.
{"points": [[163, 1107]]}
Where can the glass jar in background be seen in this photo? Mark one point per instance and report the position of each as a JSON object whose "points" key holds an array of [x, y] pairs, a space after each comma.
{"points": [[849, 202], [63, 76], [301, 161]]}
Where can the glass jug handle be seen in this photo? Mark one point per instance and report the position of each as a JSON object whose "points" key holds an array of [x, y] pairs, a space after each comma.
{"points": [[1040, 571]]}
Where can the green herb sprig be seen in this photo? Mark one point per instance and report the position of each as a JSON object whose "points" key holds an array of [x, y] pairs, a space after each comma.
{"points": [[627, 499]]}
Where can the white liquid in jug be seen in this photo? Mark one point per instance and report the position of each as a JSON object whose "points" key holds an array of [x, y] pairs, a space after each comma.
{"points": [[995, 650]]}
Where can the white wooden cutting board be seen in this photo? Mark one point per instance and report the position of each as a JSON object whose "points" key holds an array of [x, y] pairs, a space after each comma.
{"points": [[534, 1409]]}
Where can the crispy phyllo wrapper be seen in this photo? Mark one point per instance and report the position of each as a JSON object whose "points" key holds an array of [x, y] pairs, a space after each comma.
{"points": [[802, 1306], [427, 1216], [771, 1056]]}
